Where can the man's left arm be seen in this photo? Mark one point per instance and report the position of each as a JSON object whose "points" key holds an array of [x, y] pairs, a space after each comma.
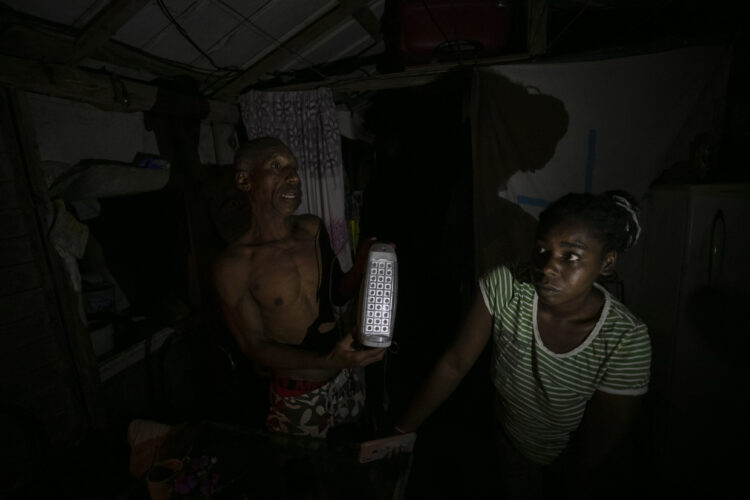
{"points": [[344, 285], [349, 282]]}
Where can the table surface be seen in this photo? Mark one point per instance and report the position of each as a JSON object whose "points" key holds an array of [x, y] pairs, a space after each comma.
{"points": [[256, 464]]}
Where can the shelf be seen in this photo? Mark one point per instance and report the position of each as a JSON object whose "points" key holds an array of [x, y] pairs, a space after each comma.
{"points": [[132, 355]]}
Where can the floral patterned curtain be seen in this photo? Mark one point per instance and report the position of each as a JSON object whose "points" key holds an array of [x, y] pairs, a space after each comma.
{"points": [[306, 121]]}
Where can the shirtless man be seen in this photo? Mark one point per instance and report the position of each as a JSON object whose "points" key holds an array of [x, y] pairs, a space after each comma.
{"points": [[274, 287]]}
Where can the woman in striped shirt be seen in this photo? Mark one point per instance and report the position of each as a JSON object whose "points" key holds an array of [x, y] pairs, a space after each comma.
{"points": [[570, 362]]}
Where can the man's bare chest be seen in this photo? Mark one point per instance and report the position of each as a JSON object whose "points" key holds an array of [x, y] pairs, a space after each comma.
{"points": [[284, 276]]}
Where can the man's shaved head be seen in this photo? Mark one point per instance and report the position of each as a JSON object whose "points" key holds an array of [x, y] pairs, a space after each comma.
{"points": [[257, 151]]}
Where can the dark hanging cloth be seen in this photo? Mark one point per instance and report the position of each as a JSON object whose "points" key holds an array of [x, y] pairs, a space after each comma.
{"points": [[329, 276]]}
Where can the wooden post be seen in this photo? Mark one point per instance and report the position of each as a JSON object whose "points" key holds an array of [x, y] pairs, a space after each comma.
{"points": [[536, 26], [48, 363]]}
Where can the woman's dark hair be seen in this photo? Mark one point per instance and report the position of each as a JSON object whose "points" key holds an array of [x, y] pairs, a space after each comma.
{"points": [[612, 217]]}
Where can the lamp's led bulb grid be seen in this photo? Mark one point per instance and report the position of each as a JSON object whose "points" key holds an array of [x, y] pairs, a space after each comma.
{"points": [[379, 296]]}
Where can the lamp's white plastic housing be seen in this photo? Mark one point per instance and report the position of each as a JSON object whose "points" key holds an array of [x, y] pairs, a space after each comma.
{"points": [[378, 301]]}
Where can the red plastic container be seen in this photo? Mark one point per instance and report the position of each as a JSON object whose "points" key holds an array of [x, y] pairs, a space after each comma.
{"points": [[445, 30]]}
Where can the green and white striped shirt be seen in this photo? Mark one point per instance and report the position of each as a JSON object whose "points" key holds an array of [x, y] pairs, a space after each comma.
{"points": [[543, 394]]}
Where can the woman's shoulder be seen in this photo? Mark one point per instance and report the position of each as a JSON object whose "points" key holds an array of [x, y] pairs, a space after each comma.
{"points": [[515, 276], [497, 276], [500, 285], [621, 319]]}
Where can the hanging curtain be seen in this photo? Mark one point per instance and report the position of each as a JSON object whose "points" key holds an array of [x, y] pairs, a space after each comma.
{"points": [[306, 121]]}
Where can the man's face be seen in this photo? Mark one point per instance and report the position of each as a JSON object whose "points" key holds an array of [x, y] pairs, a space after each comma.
{"points": [[567, 261], [273, 182]]}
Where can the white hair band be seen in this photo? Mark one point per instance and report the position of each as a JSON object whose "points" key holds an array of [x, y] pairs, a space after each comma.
{"points": [[624, 203]]}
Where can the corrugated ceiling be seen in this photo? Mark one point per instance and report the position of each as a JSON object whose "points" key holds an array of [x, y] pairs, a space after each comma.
{"points": [[229, 46], [212, 35]]}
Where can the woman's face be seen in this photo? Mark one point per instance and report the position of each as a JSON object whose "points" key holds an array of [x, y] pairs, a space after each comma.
{"points": [[567, 261]]}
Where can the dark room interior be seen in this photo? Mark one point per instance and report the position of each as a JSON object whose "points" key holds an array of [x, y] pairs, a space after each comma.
{"points": [[443, 128]]}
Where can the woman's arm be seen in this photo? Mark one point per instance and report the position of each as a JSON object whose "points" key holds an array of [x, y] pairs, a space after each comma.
{"points": [[452, 366], [605, 423]]}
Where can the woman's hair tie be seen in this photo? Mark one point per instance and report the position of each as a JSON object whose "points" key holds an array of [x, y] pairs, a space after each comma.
{"points": [[633, 236]]}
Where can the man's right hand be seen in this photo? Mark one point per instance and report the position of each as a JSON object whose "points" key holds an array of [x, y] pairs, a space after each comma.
{"points": [[344, 355]]}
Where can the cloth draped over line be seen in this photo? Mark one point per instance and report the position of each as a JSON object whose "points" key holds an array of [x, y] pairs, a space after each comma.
{"points": [[307, 122]]}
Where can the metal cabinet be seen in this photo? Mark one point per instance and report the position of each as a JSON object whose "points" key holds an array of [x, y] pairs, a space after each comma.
{"points": [[692, 293]]}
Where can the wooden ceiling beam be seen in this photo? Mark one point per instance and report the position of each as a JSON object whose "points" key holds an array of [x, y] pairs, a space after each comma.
{"points": [[369, 22], [411, 77], [104, 26], [27, 37], [291, 47], [107, 91], [120, 54]]}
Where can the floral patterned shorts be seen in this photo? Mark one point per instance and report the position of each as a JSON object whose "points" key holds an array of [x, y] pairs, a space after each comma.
{"points": [[303, 408]]}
